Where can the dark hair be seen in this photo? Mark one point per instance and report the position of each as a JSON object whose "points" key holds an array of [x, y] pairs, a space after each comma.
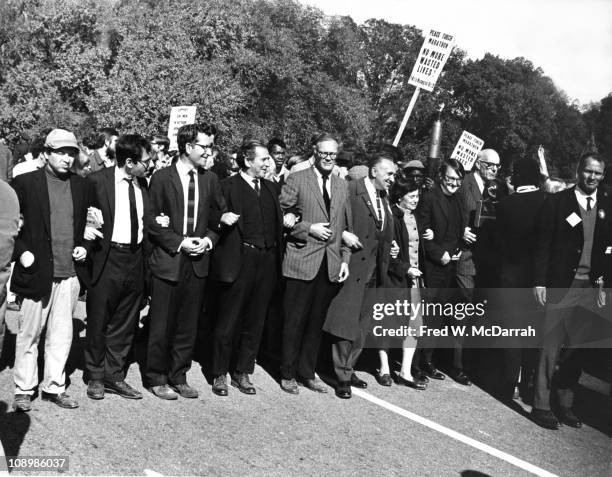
{"points": [[276, 142], [162, 140], [375, 159], [94, 141], [247, 151], [592, 155], [293, 160], [393, 152], [130, 146], [401, 187], [108, 132], [37, 147], [189, 133], [453, 164], [525, 172]]}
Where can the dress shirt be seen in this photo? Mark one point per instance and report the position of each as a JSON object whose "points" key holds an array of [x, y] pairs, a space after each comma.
{"points": [[479, 182], [320, 181], [249, 180], [373, 193], [582, 198], [122, 225], [183, 172]]}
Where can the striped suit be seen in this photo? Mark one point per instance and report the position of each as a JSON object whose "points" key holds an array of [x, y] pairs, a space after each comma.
{"points": [[311, 267], [469, 195]]}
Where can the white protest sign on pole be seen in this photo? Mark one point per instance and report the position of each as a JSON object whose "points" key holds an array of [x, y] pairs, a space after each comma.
{"points": [[179, 116], [435, 51], [467, 150]]}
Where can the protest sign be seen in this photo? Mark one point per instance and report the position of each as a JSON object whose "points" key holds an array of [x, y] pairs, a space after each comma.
{"points": [[435, 51], [179, 116], [467, 150]]}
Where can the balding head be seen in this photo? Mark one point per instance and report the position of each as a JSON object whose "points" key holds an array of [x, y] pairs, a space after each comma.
{"points": [[487, 164]]}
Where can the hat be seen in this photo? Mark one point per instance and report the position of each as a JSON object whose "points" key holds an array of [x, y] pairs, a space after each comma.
{"points": [[414, 164], [59, 138]]}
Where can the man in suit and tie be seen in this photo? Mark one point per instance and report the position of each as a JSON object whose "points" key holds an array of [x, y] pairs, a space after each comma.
{"points": [[246, 262], [574, 244], [373, 226], [117, 281], [49, 253], [315, 263], [185, 192]]}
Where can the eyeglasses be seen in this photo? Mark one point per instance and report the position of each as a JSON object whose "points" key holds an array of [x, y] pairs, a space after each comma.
{"points": [[455, 180], [328, 155], [206, 147], [490, 165]]}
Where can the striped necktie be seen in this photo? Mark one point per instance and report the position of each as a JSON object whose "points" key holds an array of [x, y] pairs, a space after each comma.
{"points": [[191, 203]]}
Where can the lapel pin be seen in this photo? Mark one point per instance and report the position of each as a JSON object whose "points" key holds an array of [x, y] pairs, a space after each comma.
{"points": [[602, 214]]}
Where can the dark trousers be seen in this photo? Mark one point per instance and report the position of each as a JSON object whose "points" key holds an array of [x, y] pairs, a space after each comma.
{"points": [[243, 306], [175, 310], [113, 304], [567, 323], [5, 274], [305, 305]]}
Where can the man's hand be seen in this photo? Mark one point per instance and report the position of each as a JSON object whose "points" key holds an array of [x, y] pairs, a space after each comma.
{"points": [[469, 236], [200, 246], [351, 240], [395, 250], [344, 272], [428, 234], [188, 244], [289, 220], [26, 259], [456, 257], [540, 295], [321, 231], [163, 220], [79, 254], [229, 218], [91, 233], [445, 259], [414, 273]]}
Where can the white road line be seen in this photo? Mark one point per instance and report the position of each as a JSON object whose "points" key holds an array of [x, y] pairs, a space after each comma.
{"points": [[152, 473], [455, 435]]}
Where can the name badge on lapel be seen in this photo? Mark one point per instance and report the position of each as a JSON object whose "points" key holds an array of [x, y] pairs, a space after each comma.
{"points": [[573, 219]]}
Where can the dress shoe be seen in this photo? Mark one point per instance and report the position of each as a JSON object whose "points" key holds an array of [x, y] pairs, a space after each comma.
{"points": [[566, 416], [358, 383], [419, 375], [61, 399], [544, 418], [289, 386], [411, 384], [315, 385], [384, 379], [219, 386], [164, 392], [22, 403], [430, 371], [185, 391], [241, 381], [95, 389], [343, 390], [121, 388], [461, 378]]}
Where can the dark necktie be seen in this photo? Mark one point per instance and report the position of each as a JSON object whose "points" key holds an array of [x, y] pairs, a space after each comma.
{"points": [[133, 214], [326, 198], [190, 203], [256, 182], [589, 199]]}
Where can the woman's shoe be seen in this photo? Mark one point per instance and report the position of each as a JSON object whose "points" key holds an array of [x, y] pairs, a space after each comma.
{"points": [[411, 384], [384, 380]]}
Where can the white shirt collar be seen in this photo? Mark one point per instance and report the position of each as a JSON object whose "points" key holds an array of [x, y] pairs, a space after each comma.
{"points": [[248, 179], [182, 168], [582, 197], [479, 181], [120, 175]]}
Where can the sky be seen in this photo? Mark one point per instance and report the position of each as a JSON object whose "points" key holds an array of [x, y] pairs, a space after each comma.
{"points": [[571, 40]]}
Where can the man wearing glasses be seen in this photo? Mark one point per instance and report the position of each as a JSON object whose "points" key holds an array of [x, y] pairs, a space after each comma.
{"points": [[184, 193], [117, 282]]}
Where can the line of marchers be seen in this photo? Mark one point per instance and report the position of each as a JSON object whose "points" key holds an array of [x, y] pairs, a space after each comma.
{"points": [[458, 330]]}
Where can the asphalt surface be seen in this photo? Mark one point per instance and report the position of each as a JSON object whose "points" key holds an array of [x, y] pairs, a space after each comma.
{"points": [[273, 433]]}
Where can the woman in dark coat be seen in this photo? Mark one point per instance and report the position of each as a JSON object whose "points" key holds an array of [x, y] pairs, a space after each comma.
{"points": [[404, 273]]}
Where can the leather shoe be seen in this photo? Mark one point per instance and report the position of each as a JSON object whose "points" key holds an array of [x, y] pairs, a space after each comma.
{"points": [[61, 399], [22, 403], [419, 375], [185, 391], [430, 371], [566, 416], [164, 392], [315, 385], [289, 386], [358, 383], [411, 384], [241, 381], [384, 379], [544, 418], [121, 388], [219, 386], [95, 389], [343, 390], [461, 378]]}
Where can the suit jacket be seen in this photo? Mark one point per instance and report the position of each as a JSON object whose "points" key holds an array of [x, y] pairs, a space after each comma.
{"points": [[469, 194], [559, 245], [166, 196], [35, 235], [103, 185], [226, 260], [344, 314], [304, 253]]}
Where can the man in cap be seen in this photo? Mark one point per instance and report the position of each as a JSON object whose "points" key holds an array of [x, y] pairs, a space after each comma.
{"points": [[49, 254]]}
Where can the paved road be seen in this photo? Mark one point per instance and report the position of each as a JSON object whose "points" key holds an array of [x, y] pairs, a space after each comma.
{"points": [[273, 433]]}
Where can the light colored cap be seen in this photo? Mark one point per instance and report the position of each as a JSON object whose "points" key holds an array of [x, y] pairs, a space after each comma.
{"points": [[414, 164], [59, 138]]}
